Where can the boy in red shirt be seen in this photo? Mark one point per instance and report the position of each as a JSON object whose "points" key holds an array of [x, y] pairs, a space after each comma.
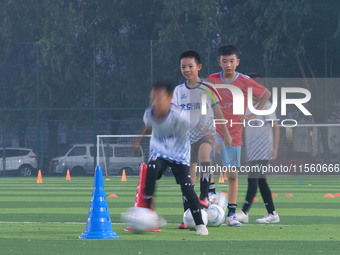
{"points": [[228, 60]]}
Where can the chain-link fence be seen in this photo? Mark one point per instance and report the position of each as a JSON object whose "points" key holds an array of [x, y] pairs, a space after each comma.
{"points": [[48, 107]]}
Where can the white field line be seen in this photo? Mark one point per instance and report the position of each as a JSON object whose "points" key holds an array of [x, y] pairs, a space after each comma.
{"points": [[120, 223]]}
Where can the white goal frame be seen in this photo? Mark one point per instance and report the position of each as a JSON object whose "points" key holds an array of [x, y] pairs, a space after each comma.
{"points": [[112, 136]]}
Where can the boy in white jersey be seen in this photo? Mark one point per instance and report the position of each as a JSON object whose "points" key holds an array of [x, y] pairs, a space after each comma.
{"points": [[262, 142], [169, 147], [189, 96]]}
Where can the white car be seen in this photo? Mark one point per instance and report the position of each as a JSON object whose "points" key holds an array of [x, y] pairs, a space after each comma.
{"points": [[80, 158], [23, 161]]}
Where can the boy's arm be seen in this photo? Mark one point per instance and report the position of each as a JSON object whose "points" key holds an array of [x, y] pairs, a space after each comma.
{"points": [[219, 115], [276, 138], [261, 104], [136, 142]]}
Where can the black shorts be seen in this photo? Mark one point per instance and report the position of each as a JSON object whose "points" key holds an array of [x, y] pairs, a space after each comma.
{"points": [[159, 165], [196, 145], [258, 173]]}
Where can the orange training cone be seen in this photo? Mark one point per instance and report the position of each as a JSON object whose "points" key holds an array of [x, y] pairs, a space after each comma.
{"points": [[39, 180], [255, 199], [123, 176], [289, 195], [337, 195], [328, 195], [274, 195], [68, 176], [221, 179]]}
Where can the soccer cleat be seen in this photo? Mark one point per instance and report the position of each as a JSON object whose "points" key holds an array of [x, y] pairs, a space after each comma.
{"points": [[269, 218], [212, 198], [182, 226], [204, 203], [201, 230], [233, 221], [242, 217]]}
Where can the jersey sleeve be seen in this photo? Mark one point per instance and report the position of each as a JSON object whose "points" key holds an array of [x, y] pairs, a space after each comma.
{"points": [[258, 89], [146, 118]]}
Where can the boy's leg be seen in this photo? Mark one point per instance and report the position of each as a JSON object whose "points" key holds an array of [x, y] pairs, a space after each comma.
{"points": [[193, 173], [181, 173], [264, 188], [204, 152], [251, 192], [253, 181], [193, 178], [154, 168], [212, 188], [231, 158], [266, 195], [272, 216], [193, 165], [232, 191]]}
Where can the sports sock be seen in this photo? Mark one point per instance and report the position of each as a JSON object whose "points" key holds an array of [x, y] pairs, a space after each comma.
{"points": [[192, 200], [205, 181], [212, 188], [251, 191], [231, 209], [186, 204], [266, 195]]}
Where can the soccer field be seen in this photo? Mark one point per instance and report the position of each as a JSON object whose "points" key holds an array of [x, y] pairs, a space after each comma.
{"points": [[48, 218]]}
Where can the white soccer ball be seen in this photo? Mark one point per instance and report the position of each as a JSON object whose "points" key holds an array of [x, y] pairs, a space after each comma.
{"points": [[189, 222], [216, 215], [222, 200], [141, 219]]}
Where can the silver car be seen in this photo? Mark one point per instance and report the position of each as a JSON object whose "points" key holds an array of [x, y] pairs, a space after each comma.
{"points": [[81, 157], [22, 161]]}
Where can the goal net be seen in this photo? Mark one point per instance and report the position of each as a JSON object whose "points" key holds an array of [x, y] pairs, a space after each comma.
{"points": [[115, 154]]}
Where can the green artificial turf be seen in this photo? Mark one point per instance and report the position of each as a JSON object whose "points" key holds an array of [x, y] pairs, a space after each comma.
{"points": [[48, 218]]}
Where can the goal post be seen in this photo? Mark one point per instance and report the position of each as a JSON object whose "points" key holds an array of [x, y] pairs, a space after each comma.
{"points": [[115, 153]]}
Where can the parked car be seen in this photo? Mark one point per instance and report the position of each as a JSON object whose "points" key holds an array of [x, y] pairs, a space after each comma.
{"points": [[22, 161], [113, 159]]}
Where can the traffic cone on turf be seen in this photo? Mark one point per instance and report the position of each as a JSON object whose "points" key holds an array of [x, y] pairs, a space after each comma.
{"points": [[139, 200], [98, 221], [221, 179], [68, 176], [39, 179], [225, 177], [123, 176]]}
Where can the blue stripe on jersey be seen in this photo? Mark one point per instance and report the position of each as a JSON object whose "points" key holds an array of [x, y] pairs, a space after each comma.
{"points": [[221, 76]]}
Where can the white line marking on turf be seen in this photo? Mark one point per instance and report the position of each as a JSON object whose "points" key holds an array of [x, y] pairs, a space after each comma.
{"points": [[120, 223]]}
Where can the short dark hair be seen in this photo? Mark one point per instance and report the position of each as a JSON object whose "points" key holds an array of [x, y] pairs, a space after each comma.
{"points": [[191, 54], [227, 50], [164, 84]]}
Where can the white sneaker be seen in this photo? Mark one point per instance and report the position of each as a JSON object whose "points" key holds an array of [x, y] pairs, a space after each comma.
{"points": [[242, 217], [269, 218], [233, 221], [201, 230]]}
